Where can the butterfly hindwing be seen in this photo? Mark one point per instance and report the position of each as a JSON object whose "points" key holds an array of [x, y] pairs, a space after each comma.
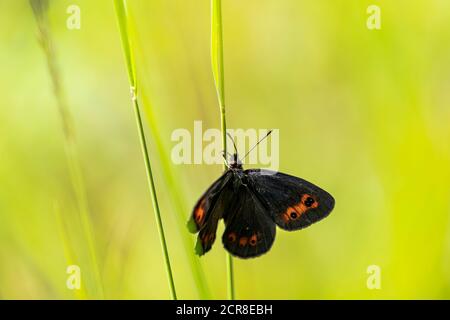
{"points": [[294, 203], [249, 230]]}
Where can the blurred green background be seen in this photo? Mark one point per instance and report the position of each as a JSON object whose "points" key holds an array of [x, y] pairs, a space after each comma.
{"points": [[364, 114]]}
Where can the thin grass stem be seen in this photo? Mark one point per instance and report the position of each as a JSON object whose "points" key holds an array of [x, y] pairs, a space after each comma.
{"points": [[177, 199], [179, 205], [122, 18], [219, 79]]}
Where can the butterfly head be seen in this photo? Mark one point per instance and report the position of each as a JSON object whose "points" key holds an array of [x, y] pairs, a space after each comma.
{"points": [[234, 162]]}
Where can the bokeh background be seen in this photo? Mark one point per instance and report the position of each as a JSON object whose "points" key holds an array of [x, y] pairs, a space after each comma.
{"points": [[364, 114]]}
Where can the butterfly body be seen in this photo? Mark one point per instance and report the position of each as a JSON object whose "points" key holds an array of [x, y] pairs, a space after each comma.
{"points": [[251, 203]]}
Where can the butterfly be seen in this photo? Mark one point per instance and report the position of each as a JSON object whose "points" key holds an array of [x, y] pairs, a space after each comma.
{"points": [[252, 203]]}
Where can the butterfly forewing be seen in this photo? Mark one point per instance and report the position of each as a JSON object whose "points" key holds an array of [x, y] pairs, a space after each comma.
{"points": [[208, 211], [202, 209], [293, 203]]}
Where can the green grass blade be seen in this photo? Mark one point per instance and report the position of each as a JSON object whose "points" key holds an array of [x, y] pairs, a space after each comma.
{"points": [[124, 27], [219, 79], [69, 252], [180, 207], [122, 18], [217, 53]]}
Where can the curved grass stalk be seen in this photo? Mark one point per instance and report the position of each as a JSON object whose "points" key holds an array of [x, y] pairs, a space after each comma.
{"points": [[219, 79], [122, 18]]}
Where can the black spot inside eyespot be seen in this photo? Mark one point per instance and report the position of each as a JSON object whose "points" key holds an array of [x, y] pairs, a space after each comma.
{"points": [[293, 215], [253, 242], [309, 202]]}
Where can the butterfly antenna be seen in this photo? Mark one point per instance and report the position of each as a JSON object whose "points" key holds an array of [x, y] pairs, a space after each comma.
{"points": [[260, 140], [234, 144], [224, 155]]}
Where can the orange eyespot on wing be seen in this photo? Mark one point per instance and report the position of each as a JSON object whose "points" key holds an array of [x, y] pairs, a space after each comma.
{"points": [[199, 216], [243, 241], [199, 213], [253, 240], [232, 237], [294, 212], [205, 241], [309, 201], [208, 238]]}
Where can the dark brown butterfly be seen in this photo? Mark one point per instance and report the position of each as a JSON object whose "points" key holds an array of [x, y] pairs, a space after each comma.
{"points": [[252, 202]]}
